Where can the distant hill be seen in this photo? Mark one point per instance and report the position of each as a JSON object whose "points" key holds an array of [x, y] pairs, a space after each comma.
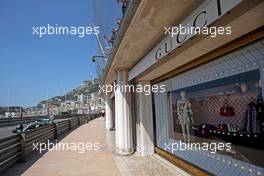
{"points": [[88, 87]]}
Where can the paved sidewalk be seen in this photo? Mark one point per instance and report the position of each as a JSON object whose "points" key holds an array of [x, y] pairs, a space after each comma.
{"points": [[103, 162], [135, 165], [72, 163]]}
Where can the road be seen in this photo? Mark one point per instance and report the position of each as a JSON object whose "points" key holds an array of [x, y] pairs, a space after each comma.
{"points": [[7, 131]]}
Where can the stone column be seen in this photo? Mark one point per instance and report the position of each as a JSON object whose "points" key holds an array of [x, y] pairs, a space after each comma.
{"points": [[123, 122], [137, 108], [145, 131], [108, 113]]}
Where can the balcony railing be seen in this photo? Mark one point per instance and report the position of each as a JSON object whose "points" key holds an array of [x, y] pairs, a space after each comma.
{"points": [[125, 22]]}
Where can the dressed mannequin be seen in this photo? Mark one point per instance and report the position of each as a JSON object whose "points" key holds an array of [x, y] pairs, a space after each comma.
{"points": [[185, 115], [244, 87]]}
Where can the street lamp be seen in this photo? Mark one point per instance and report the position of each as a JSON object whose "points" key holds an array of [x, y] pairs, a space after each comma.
{"points": [[94, 57]]}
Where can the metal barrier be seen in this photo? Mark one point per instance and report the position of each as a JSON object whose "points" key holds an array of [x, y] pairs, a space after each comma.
{"points": [[17, 147], [18, 120], [4, 122]]}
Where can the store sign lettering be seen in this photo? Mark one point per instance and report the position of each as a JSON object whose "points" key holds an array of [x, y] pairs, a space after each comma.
{"points": [[180, 38], [203, 16]]}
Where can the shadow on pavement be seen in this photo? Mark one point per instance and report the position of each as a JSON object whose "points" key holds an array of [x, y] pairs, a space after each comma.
{"points": [[19, 168]]}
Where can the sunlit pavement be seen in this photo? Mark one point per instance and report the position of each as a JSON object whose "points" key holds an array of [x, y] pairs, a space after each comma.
{"points": [[98, 162], [135, 165], [61, 163]]}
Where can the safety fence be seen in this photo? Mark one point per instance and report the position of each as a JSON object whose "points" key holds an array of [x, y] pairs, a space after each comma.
{"points": [[4, 122], [15, 148]]}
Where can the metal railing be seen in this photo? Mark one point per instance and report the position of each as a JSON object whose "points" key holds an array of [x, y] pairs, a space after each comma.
{"points": [[18, 120], [4, 122], [125, 22], [15, 148]]}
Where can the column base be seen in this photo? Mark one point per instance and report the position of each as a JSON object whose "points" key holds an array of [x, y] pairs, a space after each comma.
{"points": [[147, 152], [108, 129], [124, 151], [138, 150]]}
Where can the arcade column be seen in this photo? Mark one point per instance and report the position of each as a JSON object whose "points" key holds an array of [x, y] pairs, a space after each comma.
{"points": [[123, 122]]}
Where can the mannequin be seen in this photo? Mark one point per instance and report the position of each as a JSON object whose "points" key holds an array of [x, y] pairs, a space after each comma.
{"points": [[185, 115], [244, 87]]}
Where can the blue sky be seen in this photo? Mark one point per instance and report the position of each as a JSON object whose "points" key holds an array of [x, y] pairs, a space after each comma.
{"points": [[31, 67]]}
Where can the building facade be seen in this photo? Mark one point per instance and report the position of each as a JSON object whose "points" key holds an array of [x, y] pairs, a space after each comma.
{"points": [[205, 109]]}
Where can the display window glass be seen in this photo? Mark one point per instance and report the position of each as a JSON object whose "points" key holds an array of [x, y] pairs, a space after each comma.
{"points": [[228, 113]]}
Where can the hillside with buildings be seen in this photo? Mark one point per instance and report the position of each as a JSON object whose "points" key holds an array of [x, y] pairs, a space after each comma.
{"points": [[81, 100], [87, 87]]}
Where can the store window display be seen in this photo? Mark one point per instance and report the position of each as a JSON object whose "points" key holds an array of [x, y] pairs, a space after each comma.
{"points": [[225, 108], [228, 110]]}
